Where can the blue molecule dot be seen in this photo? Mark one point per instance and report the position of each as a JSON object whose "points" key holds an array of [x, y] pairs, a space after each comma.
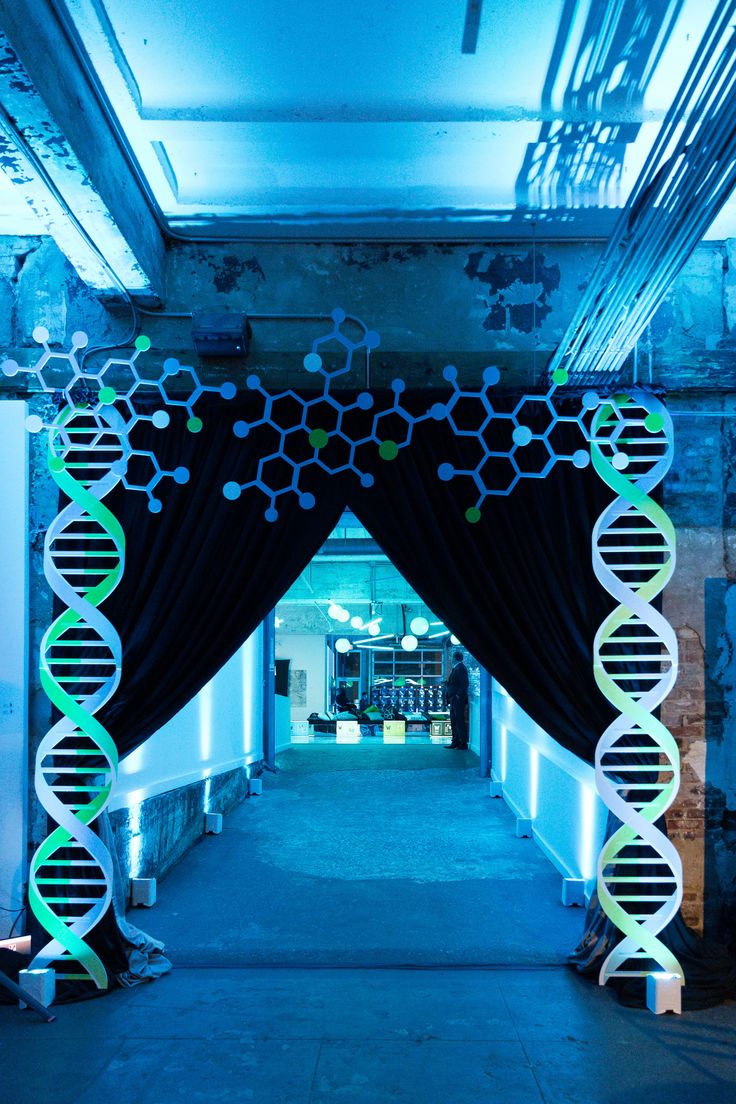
{"points": [[366, 480], [365, 400], [313, 362], [241, 429], [228, 390], [161, 419], [372, 339], [253, 383], [491, 376], [171, 366], [450, 373], [438, 411], [271, 514], [522, 435], [231, 491], [306, 501], [581, 458], [397, 386], [445, 472], [154, 506], [338, 315], [181, 475], [119, 467], [590, 400]]}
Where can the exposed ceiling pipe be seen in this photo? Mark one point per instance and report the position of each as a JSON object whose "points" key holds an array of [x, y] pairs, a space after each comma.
{"points": [[688, 176], [472, 26]]}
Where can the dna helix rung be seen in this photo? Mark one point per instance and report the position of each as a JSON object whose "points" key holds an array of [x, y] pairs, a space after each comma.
{"points": [[637, 760], [76, 763]]}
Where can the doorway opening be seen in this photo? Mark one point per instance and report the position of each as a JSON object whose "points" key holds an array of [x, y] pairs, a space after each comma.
{"points": [[371, 845], [360, 658]]}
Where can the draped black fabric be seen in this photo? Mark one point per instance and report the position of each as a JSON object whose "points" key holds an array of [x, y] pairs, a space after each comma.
{"points": [[201, 575], [517, 587]]}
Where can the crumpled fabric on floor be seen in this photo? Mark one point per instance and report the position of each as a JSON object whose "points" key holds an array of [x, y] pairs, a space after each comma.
{"points": [[145, 954]]}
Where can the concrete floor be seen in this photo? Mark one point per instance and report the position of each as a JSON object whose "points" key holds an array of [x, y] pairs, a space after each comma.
{"points": [[367, 855], [225, 1027]]}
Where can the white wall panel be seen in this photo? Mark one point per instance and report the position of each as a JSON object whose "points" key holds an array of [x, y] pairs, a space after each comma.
{"points": [[218, 730], [13, 656]]}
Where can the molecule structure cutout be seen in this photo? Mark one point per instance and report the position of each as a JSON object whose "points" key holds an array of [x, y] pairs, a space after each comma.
{"points": [[316, 432], [118, 409], [505, 445], [510, 445]]}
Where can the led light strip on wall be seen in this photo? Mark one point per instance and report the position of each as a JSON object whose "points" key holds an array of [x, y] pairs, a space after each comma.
{"points": [[637, 760]]}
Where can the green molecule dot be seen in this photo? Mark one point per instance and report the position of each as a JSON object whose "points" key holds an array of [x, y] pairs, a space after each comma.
{"points": [[56, 464], [318, 438], [560, 376], [388, 450], [194, 425], [654, 422], [472, 514], [142, 343], [107, 395]]}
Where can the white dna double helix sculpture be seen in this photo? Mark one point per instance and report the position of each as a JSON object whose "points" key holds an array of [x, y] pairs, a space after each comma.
{"points": [[76, 763], [637, 759]]}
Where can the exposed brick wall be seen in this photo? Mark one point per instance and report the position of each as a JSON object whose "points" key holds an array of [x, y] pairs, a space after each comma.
{"points": [[684, 714]]}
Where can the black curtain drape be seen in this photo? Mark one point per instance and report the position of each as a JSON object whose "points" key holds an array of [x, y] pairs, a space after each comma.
{"points": [[202, 574], [517, 587]]}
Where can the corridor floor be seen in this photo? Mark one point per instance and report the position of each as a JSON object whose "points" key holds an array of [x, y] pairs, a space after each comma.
{"points": [[329, 946], [367, 855]]}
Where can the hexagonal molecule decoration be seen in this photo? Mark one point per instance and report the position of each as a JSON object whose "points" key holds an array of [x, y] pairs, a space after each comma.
{"points": [[316, 432], [514, 445], [119, 410], [509, 445]]}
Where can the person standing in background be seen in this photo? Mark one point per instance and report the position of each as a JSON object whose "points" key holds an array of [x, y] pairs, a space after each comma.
{"points": [[457, 699]]}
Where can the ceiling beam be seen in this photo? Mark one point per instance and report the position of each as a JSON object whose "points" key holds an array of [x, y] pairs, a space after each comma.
{"points": [[209, 122], [472, 26], [60, 151]]}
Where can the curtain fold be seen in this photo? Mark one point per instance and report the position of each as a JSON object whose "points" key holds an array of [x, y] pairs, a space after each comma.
{"points": [[517, 587], [201, 575]]}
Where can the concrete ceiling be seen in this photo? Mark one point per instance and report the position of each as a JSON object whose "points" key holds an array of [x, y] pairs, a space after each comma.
{"points": [[368, 119]]}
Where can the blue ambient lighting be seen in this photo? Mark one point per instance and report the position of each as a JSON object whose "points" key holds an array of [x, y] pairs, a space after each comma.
{"points": [[205, 722], [533, 782], [587, 852]]}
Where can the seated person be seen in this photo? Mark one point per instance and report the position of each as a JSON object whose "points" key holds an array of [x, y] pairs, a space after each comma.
{"points": [[344, 709]]}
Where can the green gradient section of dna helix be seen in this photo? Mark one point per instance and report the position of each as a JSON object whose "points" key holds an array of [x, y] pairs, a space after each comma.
{"points": [[635, 661], [70, 885]]}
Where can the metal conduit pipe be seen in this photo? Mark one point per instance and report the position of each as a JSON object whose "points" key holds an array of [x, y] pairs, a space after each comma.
{"points": [[681, 203], [657, 251], [671, 206]]}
